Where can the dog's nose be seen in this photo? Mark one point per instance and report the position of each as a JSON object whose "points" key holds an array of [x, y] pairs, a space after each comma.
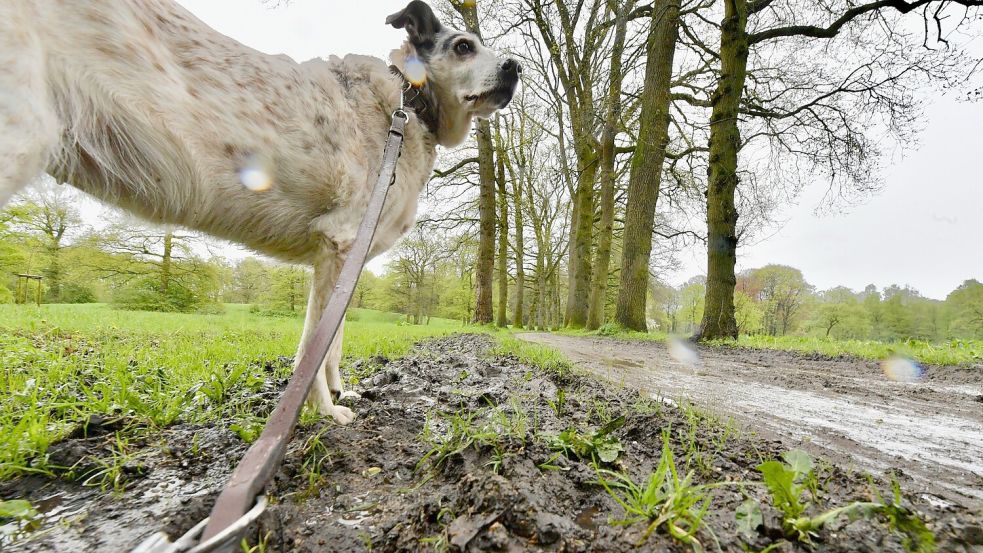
{"points": [[511, 68]]}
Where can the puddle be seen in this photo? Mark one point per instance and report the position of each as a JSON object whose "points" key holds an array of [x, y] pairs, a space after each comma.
{"points": [[931, 430], [585, 519]]}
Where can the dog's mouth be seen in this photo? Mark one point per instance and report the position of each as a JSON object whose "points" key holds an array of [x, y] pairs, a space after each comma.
{"points": [[497, 97]]}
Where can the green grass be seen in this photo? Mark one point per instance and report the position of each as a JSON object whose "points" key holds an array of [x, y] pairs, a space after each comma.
{"points": [[953, 352], [666, 500], [537, 355], [61, 363], [611, 330]]}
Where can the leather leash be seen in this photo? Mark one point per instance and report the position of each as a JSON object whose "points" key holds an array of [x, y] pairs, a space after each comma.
{"points": [[237, 506], [264, 456]]}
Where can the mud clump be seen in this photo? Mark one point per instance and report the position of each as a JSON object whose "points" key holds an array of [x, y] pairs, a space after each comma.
{"points": [[455, 449]]}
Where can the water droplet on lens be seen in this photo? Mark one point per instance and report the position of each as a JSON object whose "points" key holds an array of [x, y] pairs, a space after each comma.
{"points": [[254, 175], [901, 369], [414, 71], [681, 352]]}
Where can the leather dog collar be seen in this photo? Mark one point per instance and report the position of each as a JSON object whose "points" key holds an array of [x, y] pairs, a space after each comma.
{"points": [[419, 100]]}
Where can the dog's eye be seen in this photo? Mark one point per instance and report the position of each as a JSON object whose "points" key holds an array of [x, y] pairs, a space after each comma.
{"points": [[463, 48]]}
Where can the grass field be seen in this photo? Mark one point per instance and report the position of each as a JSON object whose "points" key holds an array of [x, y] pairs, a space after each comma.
{"points": [[59, 364], [953, 352]]}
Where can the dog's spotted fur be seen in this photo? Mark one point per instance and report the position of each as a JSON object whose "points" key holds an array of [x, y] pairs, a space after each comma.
{"points": [[142, 105]]}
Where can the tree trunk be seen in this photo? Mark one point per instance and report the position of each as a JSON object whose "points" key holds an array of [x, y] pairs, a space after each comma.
{"points": [[725, 142], [501, 317], [53, 272], [165, 264], [485, 266], [555, 323], [486, 224], [646, 166], [580, 243], [542, 299], [520, 269], [599, 284]]}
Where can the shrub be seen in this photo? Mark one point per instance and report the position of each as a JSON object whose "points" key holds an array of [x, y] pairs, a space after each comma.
{"points": [[76, 293], [145, 294]]}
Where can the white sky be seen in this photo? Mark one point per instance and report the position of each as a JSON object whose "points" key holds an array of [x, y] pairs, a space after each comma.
{"points": [[924, 229]]}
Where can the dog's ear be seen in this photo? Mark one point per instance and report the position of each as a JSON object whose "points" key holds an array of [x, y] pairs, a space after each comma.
{"points": [[420, 23]]}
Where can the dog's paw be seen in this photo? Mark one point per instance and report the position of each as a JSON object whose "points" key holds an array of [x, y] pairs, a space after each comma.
{"points": [[348, 394], [341, 415]]}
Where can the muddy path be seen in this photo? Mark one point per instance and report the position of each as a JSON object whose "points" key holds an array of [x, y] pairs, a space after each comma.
{"points": [[455, 448], [843, 408]]}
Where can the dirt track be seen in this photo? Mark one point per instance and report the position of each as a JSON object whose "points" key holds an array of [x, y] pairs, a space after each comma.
{"points": [[846, 409], [454, 449]]}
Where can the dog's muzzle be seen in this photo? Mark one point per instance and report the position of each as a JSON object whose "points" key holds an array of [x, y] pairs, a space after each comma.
{"points": [[508, 78]]}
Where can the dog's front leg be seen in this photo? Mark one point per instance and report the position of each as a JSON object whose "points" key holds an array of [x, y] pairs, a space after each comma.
{"points": [[325, 276], [332, 366]]}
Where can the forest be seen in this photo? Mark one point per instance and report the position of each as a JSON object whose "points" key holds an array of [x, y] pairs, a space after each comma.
{"points": [[641, 131], [135, 266]]}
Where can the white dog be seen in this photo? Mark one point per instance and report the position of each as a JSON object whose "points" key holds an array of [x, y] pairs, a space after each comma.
{"points": [[142, 105]]}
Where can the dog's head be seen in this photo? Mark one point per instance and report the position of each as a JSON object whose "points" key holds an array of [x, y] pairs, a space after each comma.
{"points": [[461, 77]]}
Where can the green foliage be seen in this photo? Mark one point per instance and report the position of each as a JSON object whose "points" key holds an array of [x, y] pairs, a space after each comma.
{"points": [[915, 535], [113, 471], [250, 281], [666, 500], [75, 292], [952, 352], [787, 482], [965, 305], [782, 293], [599, 446], [748, 314], [288, 289], [63, 363], [17, 509], [691, 302], [368, 291], [146, 294], [248, 428], [22, 513], [749, 518], [496, 429], [543, 357], [609, 329]]}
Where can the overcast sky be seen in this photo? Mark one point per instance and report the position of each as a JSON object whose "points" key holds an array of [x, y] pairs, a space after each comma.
{"points": [[924, 229]]}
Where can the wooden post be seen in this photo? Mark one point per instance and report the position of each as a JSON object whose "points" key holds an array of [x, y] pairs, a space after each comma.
{"points": [[24, 288]]}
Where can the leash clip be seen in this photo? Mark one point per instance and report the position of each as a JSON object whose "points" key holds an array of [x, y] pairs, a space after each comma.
{"points": [[402, 94], [226, 540]]}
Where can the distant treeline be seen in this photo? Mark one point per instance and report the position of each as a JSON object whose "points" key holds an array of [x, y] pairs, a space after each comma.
{"points": [[777, 300], [430, 274]]}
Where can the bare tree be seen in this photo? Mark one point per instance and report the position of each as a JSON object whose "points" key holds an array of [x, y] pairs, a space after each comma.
{"points": [[501, 317], [573, 40], [611, 123], [647, 165], [486, 182], [815, 128], [50, 213]]}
